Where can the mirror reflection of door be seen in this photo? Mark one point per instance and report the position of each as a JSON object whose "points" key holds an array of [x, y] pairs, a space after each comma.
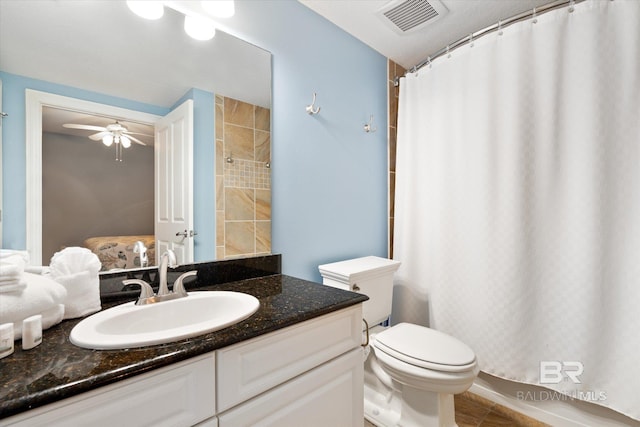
{"points": [[174, 183]]}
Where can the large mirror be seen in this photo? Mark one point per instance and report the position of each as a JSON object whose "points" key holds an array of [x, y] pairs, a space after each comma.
{"points": [[95, 63]]}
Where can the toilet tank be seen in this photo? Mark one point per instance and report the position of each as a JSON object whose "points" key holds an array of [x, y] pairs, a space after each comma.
{"points": [[372, 276]]}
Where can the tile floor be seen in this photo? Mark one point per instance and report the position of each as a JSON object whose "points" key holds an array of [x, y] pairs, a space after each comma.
{"points": [[475, 411]]}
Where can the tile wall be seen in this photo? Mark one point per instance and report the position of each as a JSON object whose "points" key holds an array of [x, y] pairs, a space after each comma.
{"points": [[395, 70], [243, 179]]}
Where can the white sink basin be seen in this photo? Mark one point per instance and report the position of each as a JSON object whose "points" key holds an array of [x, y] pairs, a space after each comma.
{"points": [[129, 325]]}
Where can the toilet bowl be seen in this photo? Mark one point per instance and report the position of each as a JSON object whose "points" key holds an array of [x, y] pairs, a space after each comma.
{"points": [[411, 371]]}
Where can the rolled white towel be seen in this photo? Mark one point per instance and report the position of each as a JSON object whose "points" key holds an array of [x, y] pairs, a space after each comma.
{"points": [[77, 270], [41, 296], [83, 294], [73, 260]]}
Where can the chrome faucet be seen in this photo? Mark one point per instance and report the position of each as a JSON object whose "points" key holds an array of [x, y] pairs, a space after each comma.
{"points": [[140, 248], [168, 259]]}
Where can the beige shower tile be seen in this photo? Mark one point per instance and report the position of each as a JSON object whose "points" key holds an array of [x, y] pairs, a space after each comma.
{"points": [[263, 236], [239, 238], [263, 118], [239, 204], [219, 99], [220, 228], [219, 119], [262, 146], [220, 192], [238, 141], [263, 205], [393, 105], [219, 157], [238, 112], [393, 133], [220, 252]]}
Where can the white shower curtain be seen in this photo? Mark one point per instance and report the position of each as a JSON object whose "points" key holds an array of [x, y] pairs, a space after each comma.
{"points": [[518, 201]]}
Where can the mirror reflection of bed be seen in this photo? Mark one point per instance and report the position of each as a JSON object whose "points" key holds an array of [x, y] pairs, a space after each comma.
{"points": [[91, 200]]}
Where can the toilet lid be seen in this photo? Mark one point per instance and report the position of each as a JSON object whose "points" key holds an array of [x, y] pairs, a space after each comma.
{"points": [[425, 347]]}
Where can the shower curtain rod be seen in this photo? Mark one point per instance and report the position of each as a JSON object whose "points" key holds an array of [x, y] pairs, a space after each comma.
{"points": [[500, 25]]}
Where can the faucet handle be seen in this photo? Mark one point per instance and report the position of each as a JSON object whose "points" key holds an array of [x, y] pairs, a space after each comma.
{"points": [[178, 285], [146, 291]]}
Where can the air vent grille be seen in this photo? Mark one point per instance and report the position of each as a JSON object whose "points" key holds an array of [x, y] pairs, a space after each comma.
{"points": [[410, 15]]}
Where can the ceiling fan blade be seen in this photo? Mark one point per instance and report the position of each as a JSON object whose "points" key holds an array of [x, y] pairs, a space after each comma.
{"points": [[85, 127], [98, 136], [137, 133], [136, 140]]}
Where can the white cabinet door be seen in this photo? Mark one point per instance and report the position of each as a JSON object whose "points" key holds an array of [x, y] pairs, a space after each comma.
{"points": [[251, 367], [174, 183], [179, 395], [330, 395]]}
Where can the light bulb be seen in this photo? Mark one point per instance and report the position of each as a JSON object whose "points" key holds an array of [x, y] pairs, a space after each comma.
{"points": [[146, 9], [126, 142], [219, 8], [199, 28], [107, 140]]}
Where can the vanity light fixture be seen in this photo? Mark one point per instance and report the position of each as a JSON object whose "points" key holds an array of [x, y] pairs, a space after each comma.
{"points": [[199, 28], [196, 24]]}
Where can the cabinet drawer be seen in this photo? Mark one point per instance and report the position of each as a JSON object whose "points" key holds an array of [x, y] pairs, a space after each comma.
{"points": [[252, 367], [329, 395], [179, 395]]}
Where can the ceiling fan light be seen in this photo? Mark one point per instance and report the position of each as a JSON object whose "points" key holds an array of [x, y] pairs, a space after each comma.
{"points": [[219, 8], [199, 28], [146, 9], [126, 142], [107, 140]]}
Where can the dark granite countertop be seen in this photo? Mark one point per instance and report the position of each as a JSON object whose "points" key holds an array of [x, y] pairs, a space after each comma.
{"points": [[57, 369]]}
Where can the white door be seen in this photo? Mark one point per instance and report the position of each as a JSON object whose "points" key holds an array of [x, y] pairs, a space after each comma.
{"points": [[174, 183]]}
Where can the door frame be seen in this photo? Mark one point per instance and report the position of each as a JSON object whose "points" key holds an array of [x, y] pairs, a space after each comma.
{"points": [[35, 101]]}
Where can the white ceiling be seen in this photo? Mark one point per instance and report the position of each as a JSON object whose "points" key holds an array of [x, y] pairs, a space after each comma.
{"points": [[101, 46], [359, 18]]}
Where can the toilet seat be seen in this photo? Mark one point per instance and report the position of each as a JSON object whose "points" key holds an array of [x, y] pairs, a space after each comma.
{"points": [[425, 348]]}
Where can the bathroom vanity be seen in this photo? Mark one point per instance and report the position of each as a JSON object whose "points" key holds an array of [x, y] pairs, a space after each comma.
{"points": [[296, 361]]}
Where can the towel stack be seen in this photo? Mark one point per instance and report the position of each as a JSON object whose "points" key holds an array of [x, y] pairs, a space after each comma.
{"points": [[12, 264], [39, 295], [77, 269]]}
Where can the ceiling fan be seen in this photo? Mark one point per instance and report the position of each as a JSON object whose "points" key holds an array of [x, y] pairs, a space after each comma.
{"points": [[113, 133]]}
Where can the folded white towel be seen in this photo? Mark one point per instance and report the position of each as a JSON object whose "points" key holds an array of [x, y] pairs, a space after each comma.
{"points": [[11, 269], [41, 296], [77, 270], [15, 285], [6, 253]]}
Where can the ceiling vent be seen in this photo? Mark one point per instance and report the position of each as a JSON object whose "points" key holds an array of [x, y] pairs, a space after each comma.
{"points": [[408, 16]]}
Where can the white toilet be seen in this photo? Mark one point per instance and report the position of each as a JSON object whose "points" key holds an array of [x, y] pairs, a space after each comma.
{"points": [[413, 371]]}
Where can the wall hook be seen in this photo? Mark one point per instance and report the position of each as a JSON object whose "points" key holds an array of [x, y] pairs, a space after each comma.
{"points": [[369, 126], [310, 108], [229, 158]]}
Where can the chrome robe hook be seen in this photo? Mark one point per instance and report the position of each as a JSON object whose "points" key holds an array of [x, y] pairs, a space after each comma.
{"points": [[311, 109]]}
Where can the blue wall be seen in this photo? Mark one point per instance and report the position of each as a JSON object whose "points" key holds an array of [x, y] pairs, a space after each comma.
{"points": [[329, 176]]}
